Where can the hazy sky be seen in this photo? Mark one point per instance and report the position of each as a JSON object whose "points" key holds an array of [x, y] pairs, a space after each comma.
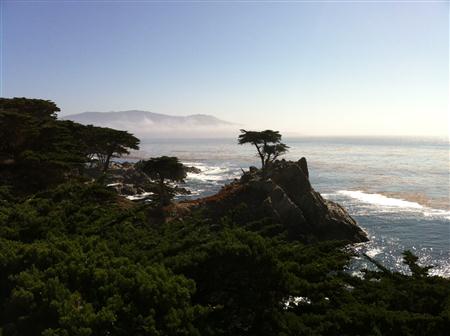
{"points": [[324, 68]]}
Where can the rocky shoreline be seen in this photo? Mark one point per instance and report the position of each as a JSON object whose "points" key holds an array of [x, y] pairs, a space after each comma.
{"points": [[282, 193], [133, 183]]}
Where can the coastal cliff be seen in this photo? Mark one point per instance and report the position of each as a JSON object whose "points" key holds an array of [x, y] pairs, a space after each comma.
{"points": [[284, 194]]}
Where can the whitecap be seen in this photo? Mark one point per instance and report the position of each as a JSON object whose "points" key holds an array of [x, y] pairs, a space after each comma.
{"points": [[374, 251], [139, 196], [379, 199], [213, 173], [388, 204], [437, 213], [327, 195], [113, 184], [206, 177]]}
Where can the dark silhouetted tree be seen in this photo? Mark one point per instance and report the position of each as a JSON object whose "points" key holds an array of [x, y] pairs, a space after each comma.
{"points": [[44, 151], [267, 143], [34, 145], [162, 169], [107, 143]]}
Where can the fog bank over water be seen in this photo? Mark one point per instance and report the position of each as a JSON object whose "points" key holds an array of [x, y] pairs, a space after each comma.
{"points": [[150, 125]]}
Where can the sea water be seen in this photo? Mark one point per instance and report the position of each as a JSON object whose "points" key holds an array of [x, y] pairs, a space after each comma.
{"points": [[397, 189]]}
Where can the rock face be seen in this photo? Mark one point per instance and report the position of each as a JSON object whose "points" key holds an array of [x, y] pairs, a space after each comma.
{"points": [[285, 194]]}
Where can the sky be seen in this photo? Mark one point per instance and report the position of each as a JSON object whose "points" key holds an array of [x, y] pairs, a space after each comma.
{"points": [[301, 67]]}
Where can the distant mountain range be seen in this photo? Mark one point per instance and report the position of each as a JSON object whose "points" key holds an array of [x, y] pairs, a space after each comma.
{"points": [[146, 124]]}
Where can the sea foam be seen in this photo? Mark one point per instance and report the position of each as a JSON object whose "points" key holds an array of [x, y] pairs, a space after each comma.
{"points": [[379, 199], [397, 204]]}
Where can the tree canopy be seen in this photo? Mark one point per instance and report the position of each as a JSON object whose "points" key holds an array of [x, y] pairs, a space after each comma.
{"points": [[104, 143], [75, 261], [161, 169], [267, 143], [38, 151]]}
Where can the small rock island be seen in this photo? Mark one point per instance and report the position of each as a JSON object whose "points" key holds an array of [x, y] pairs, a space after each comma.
{"points": [[284, 194]]}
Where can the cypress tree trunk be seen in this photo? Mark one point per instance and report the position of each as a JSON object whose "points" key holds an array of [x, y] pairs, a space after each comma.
{"points": [[261, 156], [162, 193], [106, 165]]}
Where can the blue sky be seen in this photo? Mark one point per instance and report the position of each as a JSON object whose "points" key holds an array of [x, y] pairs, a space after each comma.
{"points": [[322, 68]]}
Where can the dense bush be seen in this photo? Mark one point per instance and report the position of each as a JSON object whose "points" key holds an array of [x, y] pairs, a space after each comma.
{"points": [[77, 261]]}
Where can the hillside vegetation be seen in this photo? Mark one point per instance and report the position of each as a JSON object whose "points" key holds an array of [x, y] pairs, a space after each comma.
{"points": [[78, 259]]}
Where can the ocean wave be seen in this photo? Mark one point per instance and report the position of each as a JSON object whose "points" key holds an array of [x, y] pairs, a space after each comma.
{"points": [[139, 196], [373, 251], [389, 204], [437, 213], [193, 164], [379, 199], [211, 173]]}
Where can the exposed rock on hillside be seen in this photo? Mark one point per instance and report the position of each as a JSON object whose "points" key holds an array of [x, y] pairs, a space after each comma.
{"points": [[285, 194], [129, 181]]}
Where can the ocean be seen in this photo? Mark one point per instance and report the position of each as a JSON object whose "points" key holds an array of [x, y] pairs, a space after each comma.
{"points": [[397, 189]]}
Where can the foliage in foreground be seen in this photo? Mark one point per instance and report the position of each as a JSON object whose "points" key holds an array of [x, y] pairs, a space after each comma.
{"points": [[37, 150], [76, 261]]}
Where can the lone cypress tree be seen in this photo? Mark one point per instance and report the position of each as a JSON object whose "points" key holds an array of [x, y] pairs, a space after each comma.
{"points": [[267, 143]]}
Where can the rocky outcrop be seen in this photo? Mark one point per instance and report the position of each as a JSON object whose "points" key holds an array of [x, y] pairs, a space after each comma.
{"points": [[284, 193], [127, 180], [193, 170]]}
